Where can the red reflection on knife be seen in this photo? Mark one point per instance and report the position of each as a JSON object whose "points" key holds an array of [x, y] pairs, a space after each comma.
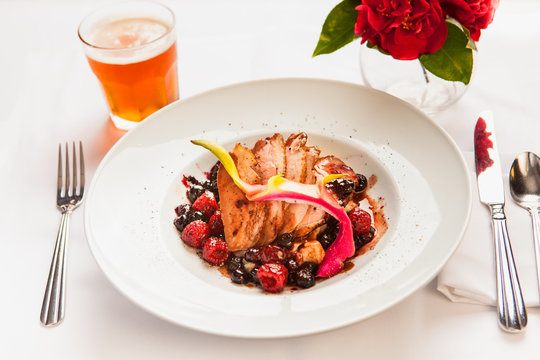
{"points": [[481, 146]]}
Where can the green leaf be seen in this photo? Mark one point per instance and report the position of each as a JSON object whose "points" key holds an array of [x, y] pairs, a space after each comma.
{"points": [[454, 60], [338, 28]]}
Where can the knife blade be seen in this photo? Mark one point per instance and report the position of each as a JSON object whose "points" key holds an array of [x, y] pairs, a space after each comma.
{"points": [[512, 313]]}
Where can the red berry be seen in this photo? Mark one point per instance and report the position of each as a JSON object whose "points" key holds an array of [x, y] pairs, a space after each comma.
{"points": [[195, 233], [215, 224], [215, 251], [206, 203], [272, 277], [361, 221], [272, 254]]}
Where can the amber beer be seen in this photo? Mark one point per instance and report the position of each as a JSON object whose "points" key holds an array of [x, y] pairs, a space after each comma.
{"points": [[134, 58]]}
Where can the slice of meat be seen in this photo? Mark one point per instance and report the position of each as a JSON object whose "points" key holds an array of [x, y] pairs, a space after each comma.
{"points": [[314, 216], [332, 165], [270, 156], [243, 220], [295, 170]]}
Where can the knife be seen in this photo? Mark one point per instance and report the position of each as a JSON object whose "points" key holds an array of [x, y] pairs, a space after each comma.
{"points": [[511, 309]]}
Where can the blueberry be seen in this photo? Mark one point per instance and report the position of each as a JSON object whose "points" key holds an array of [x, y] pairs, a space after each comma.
{"points": [[363, 239], [182, 209], [194, 215], [212, 175], [194, 192], [326, 239], [342, 187], [362, 183], [211, 185], [291, 265], [234, 263], [253, 274], [304, 278], [253, 255], [181, 222], [291, 278], [285, 241], [240, 276], [309, 266]]}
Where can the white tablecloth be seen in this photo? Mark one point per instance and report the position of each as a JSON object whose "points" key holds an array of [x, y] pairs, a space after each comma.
{"points": [[49, 95]]}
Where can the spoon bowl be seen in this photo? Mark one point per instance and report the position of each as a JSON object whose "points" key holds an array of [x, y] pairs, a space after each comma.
{"points": [[525, 180], [525, 190]]}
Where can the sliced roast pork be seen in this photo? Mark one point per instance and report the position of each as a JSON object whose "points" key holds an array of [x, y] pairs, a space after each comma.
{"points": [[243, 220]]}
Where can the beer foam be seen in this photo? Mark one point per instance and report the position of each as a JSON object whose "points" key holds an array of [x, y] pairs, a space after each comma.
{"points": [[124, 41]]}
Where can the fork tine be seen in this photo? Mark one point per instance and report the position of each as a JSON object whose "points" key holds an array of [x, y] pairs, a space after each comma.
{"points": [[66, 193], [75, 175], [81, 164], [59, 182]]}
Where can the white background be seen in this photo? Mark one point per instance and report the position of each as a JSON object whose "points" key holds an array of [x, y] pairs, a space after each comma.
{"points": [[48, 95]]}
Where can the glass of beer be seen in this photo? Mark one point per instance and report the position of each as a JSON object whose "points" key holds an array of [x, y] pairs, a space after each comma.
{"points": [[131, 48]]}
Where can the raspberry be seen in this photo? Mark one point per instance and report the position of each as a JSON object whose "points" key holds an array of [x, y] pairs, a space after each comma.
{"points": [[272, 254], [206, 203], [215, 224], [361, 221], [272, 277], [195, 233], [215, 251]]}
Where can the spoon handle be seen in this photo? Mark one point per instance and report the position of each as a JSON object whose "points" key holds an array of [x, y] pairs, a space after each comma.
{"points": [[536, 233], [510, 306]]}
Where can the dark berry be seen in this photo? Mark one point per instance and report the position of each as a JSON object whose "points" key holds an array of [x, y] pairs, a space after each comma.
{"points": [[309, 266], [194, 192], [362, 183], [195, 234], [285, 240], [291, 265], [361, 221], [304, 278], [362, 239], [291, 278], [253, 255], [253, 275], [326, 239], [272, 277], [181, 222], [215, 224], [191, 180], [212, 175], [342, 187], [206, 203], [215, 251], [240, 276], [194, 216], [234, 263], [272, 254], [182, 209]]}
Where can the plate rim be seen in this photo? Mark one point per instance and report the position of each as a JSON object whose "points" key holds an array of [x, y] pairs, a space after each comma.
{"points": [[141, 303]]}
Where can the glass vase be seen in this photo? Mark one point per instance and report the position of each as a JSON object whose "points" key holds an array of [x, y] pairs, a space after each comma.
{"points": [[409, 80]]}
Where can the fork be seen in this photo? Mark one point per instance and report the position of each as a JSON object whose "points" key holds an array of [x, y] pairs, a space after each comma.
{"points": [[67, 200]]}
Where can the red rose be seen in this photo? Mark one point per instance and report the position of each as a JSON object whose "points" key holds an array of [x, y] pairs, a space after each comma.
{"points": [[405, 29], [475, 15]]}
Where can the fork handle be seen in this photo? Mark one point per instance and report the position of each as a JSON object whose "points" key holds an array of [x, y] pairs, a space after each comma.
{"points": [[52, 309], [510, 306]]}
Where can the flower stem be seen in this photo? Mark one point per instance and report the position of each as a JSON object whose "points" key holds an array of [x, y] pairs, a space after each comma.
{"points": [[425, 73]]}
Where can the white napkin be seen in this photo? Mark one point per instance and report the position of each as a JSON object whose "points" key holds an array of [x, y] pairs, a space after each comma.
{"points": [[469, 276]]}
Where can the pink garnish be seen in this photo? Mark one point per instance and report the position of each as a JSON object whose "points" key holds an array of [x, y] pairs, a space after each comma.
{"points": [[279, 188], [481, 145]]}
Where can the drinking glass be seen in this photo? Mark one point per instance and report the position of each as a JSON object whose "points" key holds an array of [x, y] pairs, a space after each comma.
{"points": [[131, 48]]}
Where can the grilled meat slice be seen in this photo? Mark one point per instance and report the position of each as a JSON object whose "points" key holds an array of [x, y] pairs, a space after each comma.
{"points": [[243, 220], [270, 156], [295, 170]]}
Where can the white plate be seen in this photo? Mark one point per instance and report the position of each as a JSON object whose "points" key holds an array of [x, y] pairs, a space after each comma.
{"points": [[422, 181]]}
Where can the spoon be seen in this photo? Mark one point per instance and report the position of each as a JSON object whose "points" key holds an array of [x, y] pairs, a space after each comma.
{"points": [[525, 189]]}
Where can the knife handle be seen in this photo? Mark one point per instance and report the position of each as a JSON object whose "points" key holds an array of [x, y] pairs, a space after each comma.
{"points": [[510, 306]]}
